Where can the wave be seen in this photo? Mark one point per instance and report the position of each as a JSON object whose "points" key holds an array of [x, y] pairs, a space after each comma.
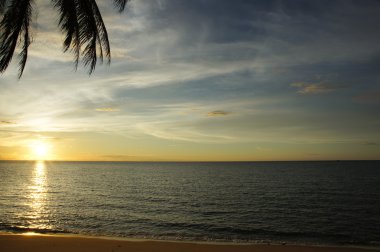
{"points": [[18, 229]]}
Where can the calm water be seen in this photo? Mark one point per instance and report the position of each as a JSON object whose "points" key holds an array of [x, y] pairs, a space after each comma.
{"points": [[296, 202]]}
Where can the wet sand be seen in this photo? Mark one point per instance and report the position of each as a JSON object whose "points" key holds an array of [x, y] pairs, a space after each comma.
{"points": [[58, 243]]}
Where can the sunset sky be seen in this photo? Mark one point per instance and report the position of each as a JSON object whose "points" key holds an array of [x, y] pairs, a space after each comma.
{"points": [[203, 80]]}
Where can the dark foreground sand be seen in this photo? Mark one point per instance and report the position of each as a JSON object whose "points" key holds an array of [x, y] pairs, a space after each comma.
{"points": [[42, 243]]}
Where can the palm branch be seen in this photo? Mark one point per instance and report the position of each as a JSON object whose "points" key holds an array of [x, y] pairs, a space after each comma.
{"points": [[80, 20]]}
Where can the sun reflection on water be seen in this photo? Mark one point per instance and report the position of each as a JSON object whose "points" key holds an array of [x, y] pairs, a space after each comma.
{"points": [[38, 198]]}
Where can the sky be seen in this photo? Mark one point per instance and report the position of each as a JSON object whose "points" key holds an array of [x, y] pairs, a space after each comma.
{"points": [[202, 80]]}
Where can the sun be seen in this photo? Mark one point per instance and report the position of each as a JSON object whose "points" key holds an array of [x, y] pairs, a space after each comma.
{"points": [[40, 150]]}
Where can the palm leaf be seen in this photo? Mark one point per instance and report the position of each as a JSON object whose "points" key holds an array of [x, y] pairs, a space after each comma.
{"points": [[68, 23], [2, 6], [80, 20], [103, 35], [120, 4], [85, 31], [15, 26], [88, 33]]}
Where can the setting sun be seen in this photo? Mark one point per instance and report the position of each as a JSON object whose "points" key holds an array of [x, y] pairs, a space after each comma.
{"points": [[40, 150]]}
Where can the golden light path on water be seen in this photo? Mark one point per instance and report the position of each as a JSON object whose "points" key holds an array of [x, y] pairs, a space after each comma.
{"points": [[37, 199]]}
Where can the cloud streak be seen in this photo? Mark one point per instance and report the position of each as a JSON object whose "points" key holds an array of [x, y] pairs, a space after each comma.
{"points": [[7, 123], [217, 113], [306, 88], [107, 109]]}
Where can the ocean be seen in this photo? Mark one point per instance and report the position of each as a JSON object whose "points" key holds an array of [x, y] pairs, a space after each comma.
{"points": [[320, 203]]}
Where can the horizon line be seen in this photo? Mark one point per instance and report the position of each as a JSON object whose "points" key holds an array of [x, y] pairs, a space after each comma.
{"points": [[189, 161]]}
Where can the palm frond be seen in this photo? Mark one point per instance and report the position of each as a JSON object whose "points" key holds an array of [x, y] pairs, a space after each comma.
{"points": [[80, 20], [68, 23], [102, 34], [15, 25], [26, 40], [3, 3], [86, 34], [120, 4]]}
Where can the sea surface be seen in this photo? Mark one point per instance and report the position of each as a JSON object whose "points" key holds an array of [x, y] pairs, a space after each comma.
{"points": [[326, 203]]}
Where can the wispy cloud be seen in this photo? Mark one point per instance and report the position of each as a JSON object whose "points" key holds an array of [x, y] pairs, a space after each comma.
{"points": [[216, 113], [107, 109], [372, 144], [369, 97], [127, 158], [316, 88], [7, 123]]}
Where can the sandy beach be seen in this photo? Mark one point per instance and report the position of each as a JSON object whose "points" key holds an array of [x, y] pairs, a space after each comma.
{"points": [[57, 243]]}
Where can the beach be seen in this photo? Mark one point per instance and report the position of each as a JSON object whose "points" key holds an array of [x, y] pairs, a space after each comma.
{"points": [[63, 243]]}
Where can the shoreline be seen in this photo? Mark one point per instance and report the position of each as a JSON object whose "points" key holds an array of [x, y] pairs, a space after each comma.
{"points": [[33, 242]]}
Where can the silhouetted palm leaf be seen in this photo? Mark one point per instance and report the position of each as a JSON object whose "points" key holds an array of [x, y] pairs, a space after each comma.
{"points": [[80, 20], [68, 23], [120, 4], [2, 4], [15, 24]]}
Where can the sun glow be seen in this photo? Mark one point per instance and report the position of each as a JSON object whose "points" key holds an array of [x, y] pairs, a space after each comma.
{"points": [[40, 150], [30, 233]]}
